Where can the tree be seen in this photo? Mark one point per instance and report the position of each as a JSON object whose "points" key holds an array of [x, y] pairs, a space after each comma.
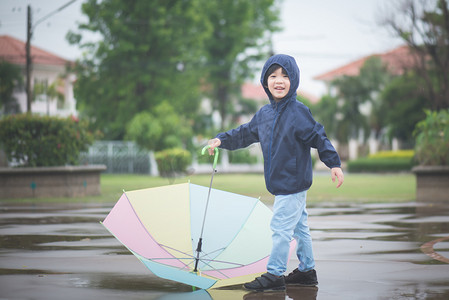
{"points": [[151, 52], [10, 79], [358, 102], [325, 112], [424, 26], [50, 92], [160, 129], [403, 104], [240, 38]]}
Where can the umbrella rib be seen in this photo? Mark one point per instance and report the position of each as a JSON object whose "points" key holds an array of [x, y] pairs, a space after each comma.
{"points": [[143, 226], [171, 248], [239, 265], [190, 256], [218, 261], [202, 258], [215, 269]]}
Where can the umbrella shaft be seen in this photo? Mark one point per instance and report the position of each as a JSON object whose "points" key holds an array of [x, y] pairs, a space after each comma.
{"points": [[200, 244], [200, 241], [207, 203], [198, 251]]}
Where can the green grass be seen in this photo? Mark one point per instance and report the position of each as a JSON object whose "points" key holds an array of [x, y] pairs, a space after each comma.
{"points": [[365, 188], [356, 188]]}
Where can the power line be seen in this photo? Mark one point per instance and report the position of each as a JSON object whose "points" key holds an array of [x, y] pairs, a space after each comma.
{"points": [[52, 13]]}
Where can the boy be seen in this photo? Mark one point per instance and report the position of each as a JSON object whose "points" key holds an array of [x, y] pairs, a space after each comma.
{"points": [[286, 131]]}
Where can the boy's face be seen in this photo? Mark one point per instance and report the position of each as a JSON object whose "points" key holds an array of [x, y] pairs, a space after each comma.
{"points": [[278, 84]]}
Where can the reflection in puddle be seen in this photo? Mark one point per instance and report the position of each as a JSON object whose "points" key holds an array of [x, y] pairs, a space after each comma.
{"points": [[429, 249], [360, 248]]}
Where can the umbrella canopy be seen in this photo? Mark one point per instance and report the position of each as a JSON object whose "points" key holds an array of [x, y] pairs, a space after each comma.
{"points": [[162, 226]]}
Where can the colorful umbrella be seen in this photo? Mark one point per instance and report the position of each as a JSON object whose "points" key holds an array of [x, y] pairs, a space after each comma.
{"points": [[162, 227]]}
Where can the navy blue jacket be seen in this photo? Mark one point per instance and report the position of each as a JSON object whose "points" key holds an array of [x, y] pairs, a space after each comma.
{"points": [[286, 131]]}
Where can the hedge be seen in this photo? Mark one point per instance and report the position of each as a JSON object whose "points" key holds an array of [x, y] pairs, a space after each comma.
{"points": [[36, 141], [384, 161]]}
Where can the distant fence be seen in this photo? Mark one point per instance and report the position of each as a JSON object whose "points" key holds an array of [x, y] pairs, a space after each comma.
{"points": [[120, 157]]}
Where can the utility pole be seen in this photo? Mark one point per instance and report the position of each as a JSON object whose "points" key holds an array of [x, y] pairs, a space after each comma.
{"points": [[28, 59], [29, 62]]}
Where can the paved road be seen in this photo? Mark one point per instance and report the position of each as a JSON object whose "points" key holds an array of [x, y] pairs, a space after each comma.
{"points": [[363, 251]]}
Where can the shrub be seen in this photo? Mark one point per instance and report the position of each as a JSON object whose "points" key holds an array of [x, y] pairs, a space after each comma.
{"points": [[432, 139], [242, 156], [394, 154], [160, 129], [173, 161], [384, 161], [35, 141]]}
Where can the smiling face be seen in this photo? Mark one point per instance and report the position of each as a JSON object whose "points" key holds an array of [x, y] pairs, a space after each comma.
{"points": [[278, 84]]}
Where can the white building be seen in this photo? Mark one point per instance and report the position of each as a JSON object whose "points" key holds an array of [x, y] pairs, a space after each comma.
{"points": [[47, 68]]}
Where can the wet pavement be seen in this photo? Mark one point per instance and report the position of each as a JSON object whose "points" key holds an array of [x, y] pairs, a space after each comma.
{"points": [[362, 251]]}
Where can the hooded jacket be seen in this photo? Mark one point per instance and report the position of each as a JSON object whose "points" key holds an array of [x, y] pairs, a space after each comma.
{"points": [[286, 131]]}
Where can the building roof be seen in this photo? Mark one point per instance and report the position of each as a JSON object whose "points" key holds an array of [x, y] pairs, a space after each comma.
{"points": [[396, 60], [253, 91], [256, 92], [13, 51]]}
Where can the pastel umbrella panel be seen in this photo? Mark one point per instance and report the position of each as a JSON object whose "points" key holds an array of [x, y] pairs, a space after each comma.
{"points": [[161, 227]]}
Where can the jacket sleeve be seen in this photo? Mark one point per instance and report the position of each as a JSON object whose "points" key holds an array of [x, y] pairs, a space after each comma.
{"points": [[240, 137], [312, 133]]}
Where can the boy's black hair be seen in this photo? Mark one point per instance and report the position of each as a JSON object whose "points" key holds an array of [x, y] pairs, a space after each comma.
{"points": [[270, 71]]}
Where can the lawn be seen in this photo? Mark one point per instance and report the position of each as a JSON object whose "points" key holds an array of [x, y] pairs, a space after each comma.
{"points": [[356, 188]]}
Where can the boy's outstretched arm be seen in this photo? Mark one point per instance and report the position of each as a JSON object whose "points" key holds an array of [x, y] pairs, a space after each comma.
{"points": [[337, 172], [213, 143]]}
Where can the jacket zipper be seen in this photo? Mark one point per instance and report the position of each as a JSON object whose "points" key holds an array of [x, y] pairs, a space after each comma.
{"points": [[271, 144]]}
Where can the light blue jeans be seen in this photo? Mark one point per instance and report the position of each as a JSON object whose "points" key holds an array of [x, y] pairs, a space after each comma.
{"points": [[290, 221]]}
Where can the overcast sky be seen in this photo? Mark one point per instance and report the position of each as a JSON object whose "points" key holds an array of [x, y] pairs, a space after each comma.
{"points": [[320, 34]]}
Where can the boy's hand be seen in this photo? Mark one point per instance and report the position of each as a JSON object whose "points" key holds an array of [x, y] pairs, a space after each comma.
{"points": [[213, 143], [337, 172]]}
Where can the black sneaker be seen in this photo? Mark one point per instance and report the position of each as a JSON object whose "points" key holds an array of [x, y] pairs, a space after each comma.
{"points": [[266, 282], [302, 278]]}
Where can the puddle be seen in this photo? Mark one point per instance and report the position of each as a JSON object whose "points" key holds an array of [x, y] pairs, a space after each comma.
{"points": [[50, 250]]}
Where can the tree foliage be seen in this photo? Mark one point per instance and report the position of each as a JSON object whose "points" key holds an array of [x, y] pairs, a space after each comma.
{"points": [[424, 26], [432, 139], [10, 79], [166, 51], [325, 112], [149, 53], [403, 104], [240, 38], [162, 128], [356, 107], [49, 91]]}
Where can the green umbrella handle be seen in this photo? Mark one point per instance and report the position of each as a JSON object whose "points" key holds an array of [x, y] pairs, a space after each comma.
{"points": [[216, 155]]}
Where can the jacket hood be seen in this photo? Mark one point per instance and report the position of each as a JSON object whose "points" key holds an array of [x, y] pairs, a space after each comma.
{"points": [[289, 64]]}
